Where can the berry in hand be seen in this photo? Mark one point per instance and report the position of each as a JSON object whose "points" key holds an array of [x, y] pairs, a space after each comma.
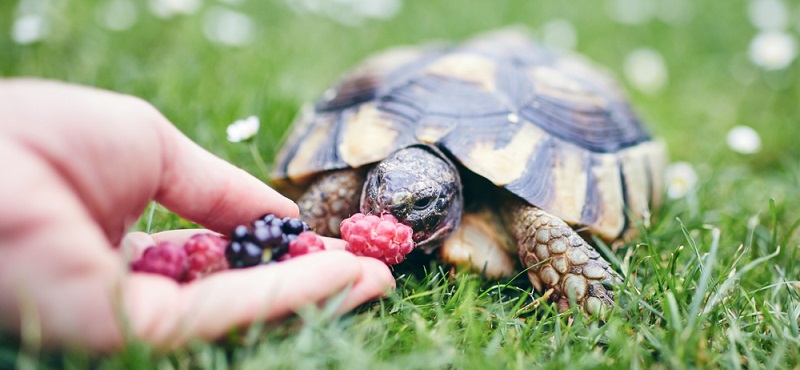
{"points": [[166, 259], [307, 242], [267, 239], [381, 237], [206, 254], [242, 254], [294, 226]]}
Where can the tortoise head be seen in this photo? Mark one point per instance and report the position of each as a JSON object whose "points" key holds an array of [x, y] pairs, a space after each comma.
{"points": [[421, 187]]}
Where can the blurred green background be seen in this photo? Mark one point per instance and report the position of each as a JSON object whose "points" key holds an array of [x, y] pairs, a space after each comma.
{"points": [[292, 53], [693, 70], [689, 67]]}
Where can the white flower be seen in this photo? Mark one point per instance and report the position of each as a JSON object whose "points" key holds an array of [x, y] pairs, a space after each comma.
{"points": [[681, 179], [117, 15], [645, 70], [560, 34], [773, 49], [30, 28], [171, 8], [767, 14], [743, 139], [243, 129], [228, 27]]}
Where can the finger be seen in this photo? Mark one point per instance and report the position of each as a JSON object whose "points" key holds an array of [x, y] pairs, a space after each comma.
{"points": [[133, 245], [102, 144], [376, 280], [164, 313], [178, 237], [141, 154], [205, 189], [334, 243]]}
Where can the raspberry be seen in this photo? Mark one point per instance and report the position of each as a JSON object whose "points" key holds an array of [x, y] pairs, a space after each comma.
{"points": [[381, 237], [307, 242], [206, 254], [267, 239], [166, 259]]}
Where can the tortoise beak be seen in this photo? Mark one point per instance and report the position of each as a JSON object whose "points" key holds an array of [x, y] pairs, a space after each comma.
{"points": [[397, 205], [386, 192], [436, 239]]}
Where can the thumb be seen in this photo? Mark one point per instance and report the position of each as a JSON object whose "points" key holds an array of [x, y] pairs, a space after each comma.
{"points": [[168, 315]]}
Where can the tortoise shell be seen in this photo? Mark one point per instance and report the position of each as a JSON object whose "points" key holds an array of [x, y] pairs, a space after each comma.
{"points": [[549, 127]]}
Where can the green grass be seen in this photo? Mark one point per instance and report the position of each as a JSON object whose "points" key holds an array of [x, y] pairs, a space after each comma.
{"points": [[712, 283]]}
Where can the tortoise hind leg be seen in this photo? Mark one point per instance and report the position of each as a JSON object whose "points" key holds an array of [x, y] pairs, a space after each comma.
{"points": [[332, 197], [559, 259]]}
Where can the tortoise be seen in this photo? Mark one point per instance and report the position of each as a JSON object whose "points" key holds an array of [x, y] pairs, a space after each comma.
{"points": [[493, 146]]}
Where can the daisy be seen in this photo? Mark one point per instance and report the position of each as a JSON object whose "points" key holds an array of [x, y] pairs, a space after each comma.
{"points": [[645, 69], [773, 50], [744, 140], [681, 179], [243, 129]]}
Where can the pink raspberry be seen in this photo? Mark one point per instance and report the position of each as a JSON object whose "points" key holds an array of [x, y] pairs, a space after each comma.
{"points": [[166, 259], [307, 242], [206, 254], [379, 237]]}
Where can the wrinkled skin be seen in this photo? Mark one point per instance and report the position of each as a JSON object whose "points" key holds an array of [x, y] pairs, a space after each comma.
{"points": [[419, 186]]}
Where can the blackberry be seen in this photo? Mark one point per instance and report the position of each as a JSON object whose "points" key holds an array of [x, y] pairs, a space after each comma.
{"points": [[243, 254], [265, 240], [294, 226], [241, 232]]}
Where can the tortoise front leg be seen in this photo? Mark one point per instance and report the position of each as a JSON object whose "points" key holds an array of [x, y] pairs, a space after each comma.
{"points": [[482, 244], [561, 260], [332, 197]]}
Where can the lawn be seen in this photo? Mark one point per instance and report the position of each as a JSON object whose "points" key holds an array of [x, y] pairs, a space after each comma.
{"points": [[711, 283]]}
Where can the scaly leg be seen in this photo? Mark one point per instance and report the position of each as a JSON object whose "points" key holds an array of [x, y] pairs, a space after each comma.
{"points": [[331, 198], [561, 260]]}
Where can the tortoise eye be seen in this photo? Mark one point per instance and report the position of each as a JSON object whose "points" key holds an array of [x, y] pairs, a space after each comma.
{"points": [[423, 203]]}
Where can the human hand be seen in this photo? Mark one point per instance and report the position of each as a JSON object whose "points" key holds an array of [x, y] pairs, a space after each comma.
{"points": [[79, 166]]}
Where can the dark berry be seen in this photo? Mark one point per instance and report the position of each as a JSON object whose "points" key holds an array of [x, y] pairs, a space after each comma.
{"points": [[267, 218], [267, 235], [240, 233], [294, 226], [243, 254], [270, 234]]}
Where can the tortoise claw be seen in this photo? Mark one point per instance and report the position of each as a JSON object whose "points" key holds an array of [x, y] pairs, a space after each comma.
{"points": [[559, 259]]}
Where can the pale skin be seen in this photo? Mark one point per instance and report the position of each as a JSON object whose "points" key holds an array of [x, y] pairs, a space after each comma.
{"points": [[79, 165]]}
